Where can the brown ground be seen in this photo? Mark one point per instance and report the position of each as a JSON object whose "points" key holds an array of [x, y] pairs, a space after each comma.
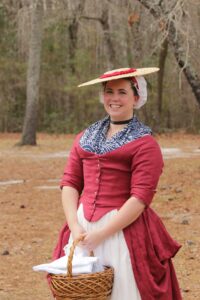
{"points": [[31, 214]]}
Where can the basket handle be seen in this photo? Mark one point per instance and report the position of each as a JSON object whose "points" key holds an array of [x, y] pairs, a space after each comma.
{"points": [[71, 254]]}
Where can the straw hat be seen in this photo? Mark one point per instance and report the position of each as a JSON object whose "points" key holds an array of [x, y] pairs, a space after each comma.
{"points": [[139, 81], [120, 73]]}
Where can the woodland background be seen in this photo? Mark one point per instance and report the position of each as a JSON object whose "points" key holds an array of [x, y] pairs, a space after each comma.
{"points": [[48, 47]]}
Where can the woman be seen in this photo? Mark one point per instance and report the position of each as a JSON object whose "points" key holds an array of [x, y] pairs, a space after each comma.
{"points": [[111, 177]]}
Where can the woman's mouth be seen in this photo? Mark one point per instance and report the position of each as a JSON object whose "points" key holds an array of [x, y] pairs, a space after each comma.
{"points": [[114, 106]]}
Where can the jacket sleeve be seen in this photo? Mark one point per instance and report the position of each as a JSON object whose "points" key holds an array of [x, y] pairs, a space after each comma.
{"points": [[73, 171], [147, 165]]}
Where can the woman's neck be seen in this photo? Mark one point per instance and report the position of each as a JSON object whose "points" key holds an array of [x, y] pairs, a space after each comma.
{"points": [[121, 122], [113, 129]]}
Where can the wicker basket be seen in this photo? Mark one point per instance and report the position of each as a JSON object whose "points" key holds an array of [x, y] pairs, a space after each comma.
{"points": [[94, 286]]}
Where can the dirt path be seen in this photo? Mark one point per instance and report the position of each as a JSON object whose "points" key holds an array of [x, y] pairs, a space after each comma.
{"points": [[31, 212]]}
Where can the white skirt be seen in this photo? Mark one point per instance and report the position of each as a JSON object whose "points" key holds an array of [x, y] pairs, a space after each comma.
{"points": [[113, 252]]}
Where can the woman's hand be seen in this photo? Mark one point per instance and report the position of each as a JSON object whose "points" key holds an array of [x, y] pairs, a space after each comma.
{"points": [[78, 232], [126, 215], [93, 239]]}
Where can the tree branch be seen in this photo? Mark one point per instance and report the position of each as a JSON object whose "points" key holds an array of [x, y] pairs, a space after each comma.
{"points": [[175, 38], [91, 18]]}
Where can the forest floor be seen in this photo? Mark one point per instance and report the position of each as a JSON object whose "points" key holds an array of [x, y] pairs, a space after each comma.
{"points": [[31, 211]]}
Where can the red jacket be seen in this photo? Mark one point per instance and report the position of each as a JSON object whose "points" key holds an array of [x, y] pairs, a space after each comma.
{"points": [[105, 182]]}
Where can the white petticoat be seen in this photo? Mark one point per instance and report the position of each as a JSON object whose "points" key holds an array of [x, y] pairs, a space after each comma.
{"points": [[113, 252]]}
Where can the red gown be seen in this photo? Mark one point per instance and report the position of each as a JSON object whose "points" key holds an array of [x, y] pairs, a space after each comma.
{"points": [[105, 182]]}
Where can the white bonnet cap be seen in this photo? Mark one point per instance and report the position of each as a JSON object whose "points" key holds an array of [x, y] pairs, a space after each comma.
{"points": [[142, 91]]}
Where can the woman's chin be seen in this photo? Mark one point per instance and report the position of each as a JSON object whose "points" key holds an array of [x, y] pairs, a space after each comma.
{"points": [[116, 113], [116, 116]]}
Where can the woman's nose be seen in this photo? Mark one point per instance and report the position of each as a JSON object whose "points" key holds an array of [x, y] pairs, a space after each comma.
{"points": [[115, 97]]}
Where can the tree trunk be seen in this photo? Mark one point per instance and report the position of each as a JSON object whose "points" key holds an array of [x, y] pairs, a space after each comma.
{"points": [[175, 40], [110, 52], [73, 33], [33, 75], [162, 59], [110, 55], [188, 69]]}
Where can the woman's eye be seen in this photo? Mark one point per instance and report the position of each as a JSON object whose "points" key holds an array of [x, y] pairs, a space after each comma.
{"points": [[108, 92], [122, 92]]}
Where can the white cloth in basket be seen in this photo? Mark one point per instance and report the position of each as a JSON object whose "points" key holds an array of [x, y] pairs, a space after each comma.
{"points": [[80, 265]]}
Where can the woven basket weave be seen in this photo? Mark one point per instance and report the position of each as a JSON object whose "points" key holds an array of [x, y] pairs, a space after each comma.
{"points": [[94, 286]]}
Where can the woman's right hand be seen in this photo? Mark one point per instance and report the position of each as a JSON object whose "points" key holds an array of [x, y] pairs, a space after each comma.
{"points": [[78, 232]]}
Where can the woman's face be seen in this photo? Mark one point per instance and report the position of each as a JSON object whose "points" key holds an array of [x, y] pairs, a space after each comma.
{"points": [[119, 99]]}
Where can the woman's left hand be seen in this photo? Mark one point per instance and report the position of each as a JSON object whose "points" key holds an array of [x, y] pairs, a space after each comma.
{"points": [[92, 239]]}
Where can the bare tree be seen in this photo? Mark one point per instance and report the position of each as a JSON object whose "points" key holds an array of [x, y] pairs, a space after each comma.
{"points": [[162, 60], [174, 16], [74, 23], [33, 75], [103, 17], [110, 49]]}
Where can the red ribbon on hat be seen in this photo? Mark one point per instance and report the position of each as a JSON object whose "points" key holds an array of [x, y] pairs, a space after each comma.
{"points": [[131, 70]]}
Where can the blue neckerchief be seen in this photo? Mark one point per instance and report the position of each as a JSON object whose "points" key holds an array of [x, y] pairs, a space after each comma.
{"points": [[94, 138]]}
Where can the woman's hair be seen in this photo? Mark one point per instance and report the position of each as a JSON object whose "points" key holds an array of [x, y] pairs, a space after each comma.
{"points": [[135, 91]]}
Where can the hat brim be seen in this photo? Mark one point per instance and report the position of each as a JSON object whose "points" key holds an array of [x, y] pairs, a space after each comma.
{"points": [[138, 72]]}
